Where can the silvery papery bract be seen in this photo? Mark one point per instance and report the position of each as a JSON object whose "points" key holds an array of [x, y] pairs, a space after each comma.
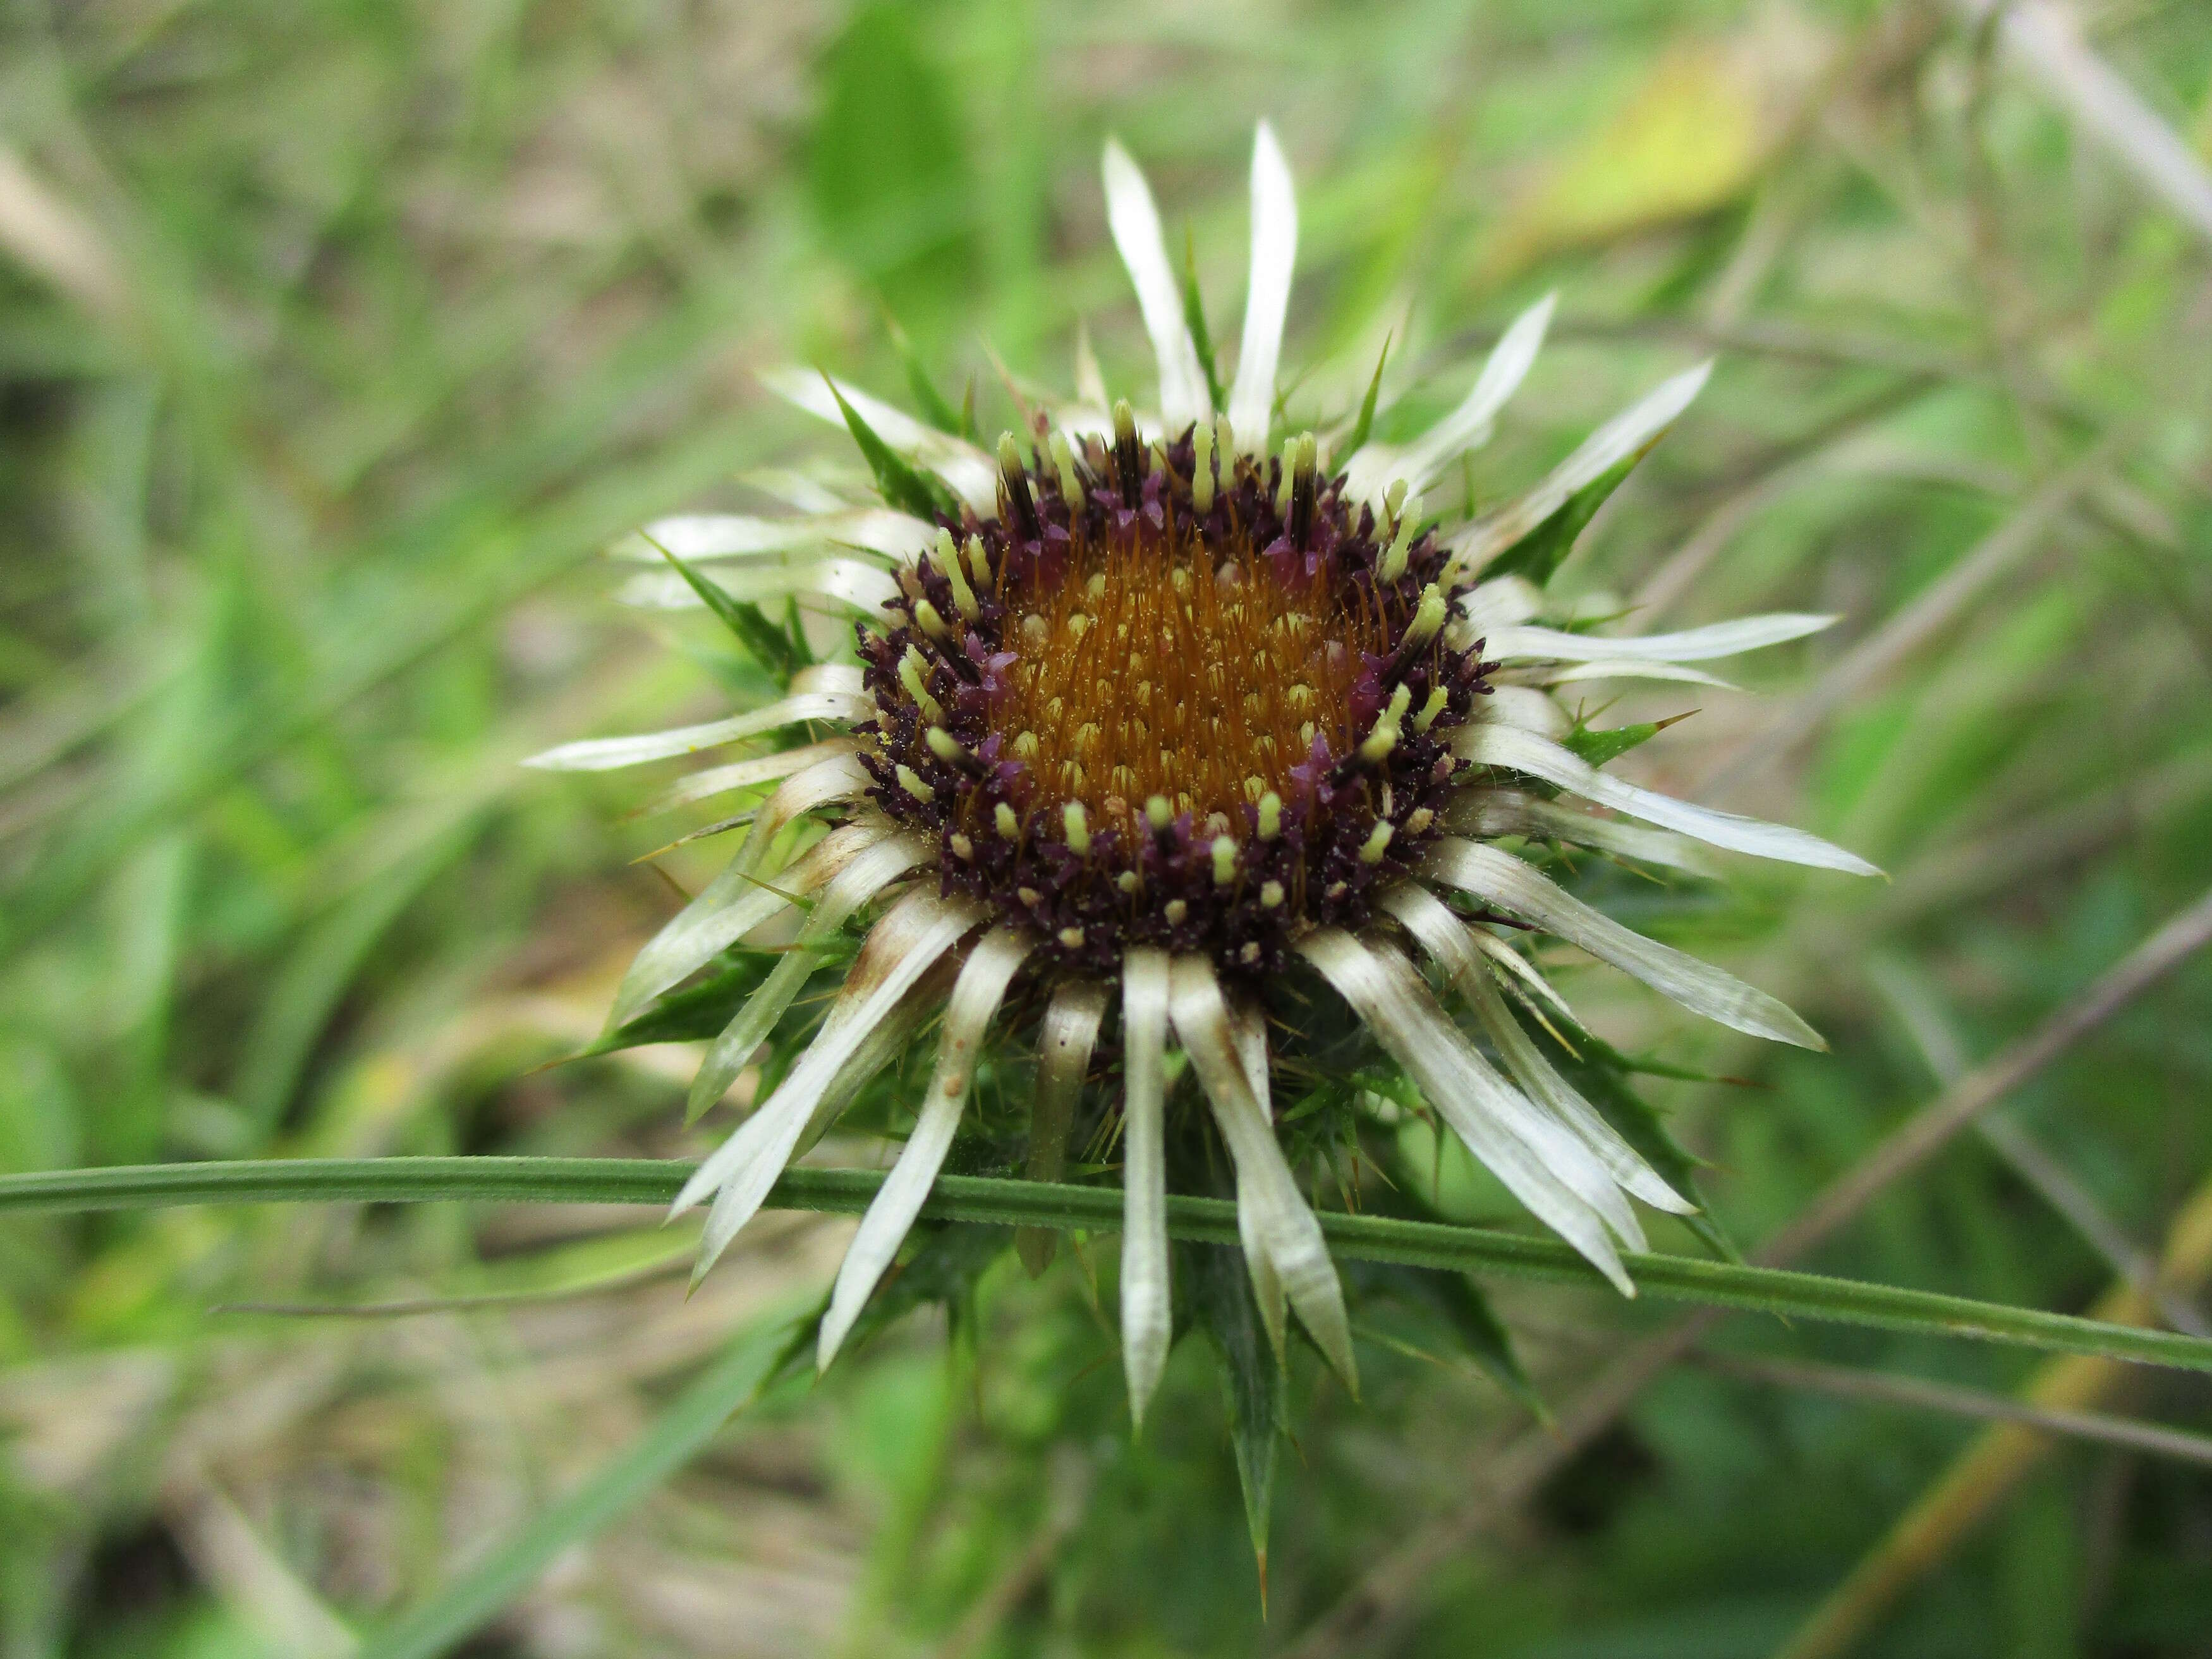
{"points": [[1152, 712]]}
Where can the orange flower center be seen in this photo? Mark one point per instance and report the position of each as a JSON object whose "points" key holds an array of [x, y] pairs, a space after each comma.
{"points": [[1161, 667]]}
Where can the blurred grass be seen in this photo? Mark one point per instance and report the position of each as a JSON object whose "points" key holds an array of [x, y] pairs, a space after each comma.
{"points": [[335, 341]]}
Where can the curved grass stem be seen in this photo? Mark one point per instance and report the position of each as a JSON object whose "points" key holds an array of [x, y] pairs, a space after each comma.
{"points": [[1036, 1204]]}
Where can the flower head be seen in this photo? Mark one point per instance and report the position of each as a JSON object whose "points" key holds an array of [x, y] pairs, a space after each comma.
{"points": [[1149, 712]]}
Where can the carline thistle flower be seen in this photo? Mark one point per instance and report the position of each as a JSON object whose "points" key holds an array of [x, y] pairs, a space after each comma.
{"points": [[1149, 713]]}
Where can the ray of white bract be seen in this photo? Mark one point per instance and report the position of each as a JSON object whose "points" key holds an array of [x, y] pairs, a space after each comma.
{"points": [[891, 1036], [713, 781], [1497, 877], [1624, 668], [1090, 378], [1501, 602], [973, 476], [1521, 976], [1248, 1024], [839, 778], [1136, 226], [1469, 426], [1147, 1319], [1524, 707], [799, 491], [1492, 814], [1728, 639], [604, 754], [976, 997], [1086, 421], [1626, 435], [705, 537], [1066, 1036], [816, 693], [1538, 1160], [1293, 1236], [725, 910], [1268, 295], [1450, 944], [741, 1171], [856, 885], [1524, 751], [1377, 466], [865, 587]]}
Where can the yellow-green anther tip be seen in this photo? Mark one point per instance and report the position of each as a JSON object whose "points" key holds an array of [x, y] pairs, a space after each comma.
{"points": [[1433, 606], [1271, 816], [1079, 829], [941, 743], [1224, 860], [1008, 824], [1158, 813], [964, 597], [1378, 842], [913, 675]]}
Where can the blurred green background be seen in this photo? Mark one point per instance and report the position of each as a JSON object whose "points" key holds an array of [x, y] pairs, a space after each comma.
{"points": [[335, 341]]}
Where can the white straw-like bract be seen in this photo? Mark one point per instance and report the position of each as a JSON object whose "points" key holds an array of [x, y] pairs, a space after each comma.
{"points": [[1183, 938], [1136, 226], [1268, 296], [1146, 1322], [976, 997]]}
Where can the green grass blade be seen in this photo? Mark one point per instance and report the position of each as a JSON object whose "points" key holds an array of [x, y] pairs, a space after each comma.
{"points": [[1039, 1204], [697, 1414]]}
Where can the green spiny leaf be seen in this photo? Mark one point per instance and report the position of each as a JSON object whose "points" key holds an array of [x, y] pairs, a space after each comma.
{"points": [[693, 1014], [768, 644], [1538, 554], [1457, 1304], [1365, 424], [941, 1265], [1604, 1085], [1454, 1300], [1193, 313], [1253, 1382], [904, 485], [927, 397], [1598, 747], [794, 627]]}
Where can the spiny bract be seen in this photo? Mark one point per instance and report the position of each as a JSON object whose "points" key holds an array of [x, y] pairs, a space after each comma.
{"points": [[1146, 704]]}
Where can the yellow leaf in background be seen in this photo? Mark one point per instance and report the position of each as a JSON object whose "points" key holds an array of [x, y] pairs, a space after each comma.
{"points": [[1689, 138]]}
